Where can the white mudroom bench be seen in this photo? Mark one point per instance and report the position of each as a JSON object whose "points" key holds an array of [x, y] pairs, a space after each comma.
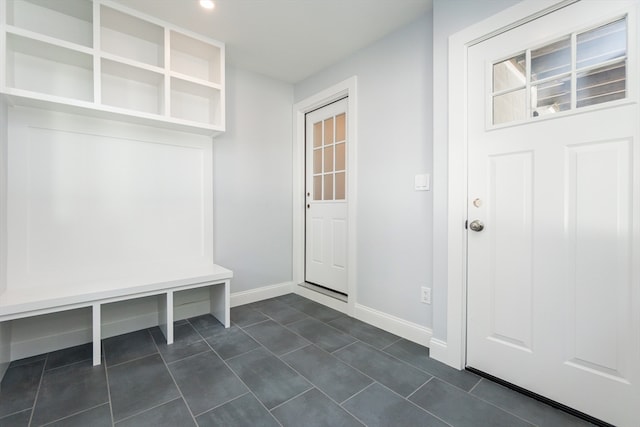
{"points": [[35, 301]]}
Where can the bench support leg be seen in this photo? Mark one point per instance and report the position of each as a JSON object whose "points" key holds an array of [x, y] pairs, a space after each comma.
{"points": [[97, 334], [165, 315], [220, 300]]}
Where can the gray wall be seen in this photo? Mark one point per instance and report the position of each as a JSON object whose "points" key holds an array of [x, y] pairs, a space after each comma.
{"points": [[449, 17], [252, 182], [394, 143]]}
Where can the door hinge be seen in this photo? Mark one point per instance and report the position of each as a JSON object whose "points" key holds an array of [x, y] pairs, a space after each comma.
{"points": [[466, 224]]}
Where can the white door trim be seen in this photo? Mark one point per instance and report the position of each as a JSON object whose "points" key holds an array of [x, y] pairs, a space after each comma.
{"points": [[345, 88], [453, 350]]}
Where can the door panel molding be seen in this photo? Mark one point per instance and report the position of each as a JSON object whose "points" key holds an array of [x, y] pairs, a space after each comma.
{"points": [[346, 88]]}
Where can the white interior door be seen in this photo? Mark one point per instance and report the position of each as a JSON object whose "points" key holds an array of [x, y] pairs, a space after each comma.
{"points": [[326, 182], [553, 300]]}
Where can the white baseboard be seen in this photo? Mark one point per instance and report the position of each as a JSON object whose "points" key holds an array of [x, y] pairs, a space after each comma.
{"points": [[40, 345], [438, 350], [261, 293], [442, 352], [192, 309], [403, 328]]}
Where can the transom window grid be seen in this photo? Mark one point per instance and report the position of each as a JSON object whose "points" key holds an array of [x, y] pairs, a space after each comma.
{"points": [[329, 159], [579, 70]]}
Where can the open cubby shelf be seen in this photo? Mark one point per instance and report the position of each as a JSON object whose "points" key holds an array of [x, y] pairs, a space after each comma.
{"points": [[101, 56]]}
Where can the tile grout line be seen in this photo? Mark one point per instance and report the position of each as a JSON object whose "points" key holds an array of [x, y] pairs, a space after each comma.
{"points": [[236, 375], [416, 405], [35, 399], [288, 326], [374, 381], [395, 342], [222, 404], [421, 385], [383, 350], [135, 359], [294, 397], [339, 404], [48, 423], [501, 408], [428, 372], [475, 385], [106, 375], [175, 383]]}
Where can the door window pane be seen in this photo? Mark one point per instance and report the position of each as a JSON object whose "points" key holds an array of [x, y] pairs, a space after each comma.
{"points": [[328, 187], [509, 107], [328, 158], [509, 74], [341, 127], [341, 156], [328, 131], [551, 60], [602, 84], [602, 44], [317, 134], [317, 187], [317, 161], [340, 186], [551, 97]]}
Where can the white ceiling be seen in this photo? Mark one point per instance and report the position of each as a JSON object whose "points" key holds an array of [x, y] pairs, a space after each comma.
{"points": [[288, 39]]}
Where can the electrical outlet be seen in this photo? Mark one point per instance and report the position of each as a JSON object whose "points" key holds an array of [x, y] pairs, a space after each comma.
{"points": [[425, 295]]}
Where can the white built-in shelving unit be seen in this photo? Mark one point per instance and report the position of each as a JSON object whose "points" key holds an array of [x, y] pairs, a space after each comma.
{"points": [[100, 58]]}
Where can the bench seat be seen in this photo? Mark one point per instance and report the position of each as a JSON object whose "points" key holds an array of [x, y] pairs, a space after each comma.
{"points": [[35, 301]]}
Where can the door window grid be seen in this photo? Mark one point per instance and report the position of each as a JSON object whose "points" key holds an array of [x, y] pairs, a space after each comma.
{"points": [[329, 159], [581, 69]]}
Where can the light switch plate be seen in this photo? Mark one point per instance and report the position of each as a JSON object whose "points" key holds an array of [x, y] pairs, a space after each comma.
{"points": [[422, 182]]}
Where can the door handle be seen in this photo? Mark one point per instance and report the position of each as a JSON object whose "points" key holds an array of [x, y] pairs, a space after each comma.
{"points": [[476, 226]]}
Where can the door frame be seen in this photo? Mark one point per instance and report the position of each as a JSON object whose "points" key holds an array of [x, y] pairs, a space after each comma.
{"points": [[346, 88], [453, 350]]}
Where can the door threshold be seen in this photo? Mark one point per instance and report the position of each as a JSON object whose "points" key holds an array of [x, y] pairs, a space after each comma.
{"points": [[540, 398], [325, 291]]}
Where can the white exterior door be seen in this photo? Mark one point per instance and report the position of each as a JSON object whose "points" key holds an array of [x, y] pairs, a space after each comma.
{"points": [[326, 197], [553, 301]]}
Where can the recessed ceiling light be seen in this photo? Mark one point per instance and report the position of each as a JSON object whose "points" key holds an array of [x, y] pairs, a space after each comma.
{"points": [[207, 4]]}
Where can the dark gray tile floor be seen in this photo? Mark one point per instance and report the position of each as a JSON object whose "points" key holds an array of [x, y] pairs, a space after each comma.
{"points": [[286, 361]]}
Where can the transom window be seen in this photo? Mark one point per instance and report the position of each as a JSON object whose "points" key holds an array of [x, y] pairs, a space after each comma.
{"points": [[581, 69]]}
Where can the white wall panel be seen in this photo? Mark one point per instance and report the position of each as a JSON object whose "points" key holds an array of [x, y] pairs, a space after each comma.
{"points": [[88, 205], [93, 200]]}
